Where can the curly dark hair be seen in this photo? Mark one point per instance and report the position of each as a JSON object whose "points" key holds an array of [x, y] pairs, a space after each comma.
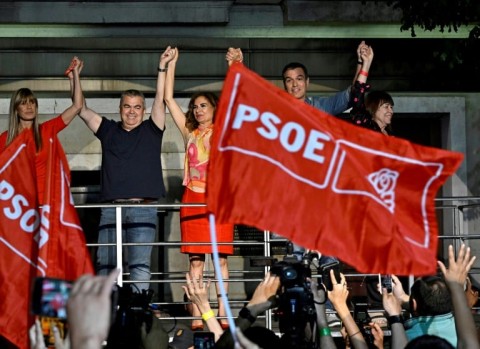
{"points": [[191, 123]]}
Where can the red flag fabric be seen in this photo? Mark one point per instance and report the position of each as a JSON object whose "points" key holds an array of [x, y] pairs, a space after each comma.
{"points": [[18, 253], [280, 165], [34, 241], [65, 253]]}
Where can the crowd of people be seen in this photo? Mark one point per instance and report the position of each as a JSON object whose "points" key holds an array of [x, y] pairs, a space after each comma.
{"points": [[438, 309], [131, 173]]}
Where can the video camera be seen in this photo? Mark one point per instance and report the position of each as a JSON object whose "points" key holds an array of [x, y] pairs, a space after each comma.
{"points": [[133, 310], [362, 319], [296, 308]]}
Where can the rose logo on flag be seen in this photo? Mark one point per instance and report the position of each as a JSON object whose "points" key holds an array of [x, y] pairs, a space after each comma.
{"points": [[384, 183]]}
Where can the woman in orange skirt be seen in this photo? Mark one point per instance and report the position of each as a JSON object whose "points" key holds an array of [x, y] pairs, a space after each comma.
{"points": [[196, 127]]}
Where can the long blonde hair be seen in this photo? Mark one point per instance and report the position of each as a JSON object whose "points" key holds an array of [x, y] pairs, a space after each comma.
{"points": [[19, 97]]}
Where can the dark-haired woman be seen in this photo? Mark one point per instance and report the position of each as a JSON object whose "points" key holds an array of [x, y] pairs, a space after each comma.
{"points": [[375, 111], [196, 127]]}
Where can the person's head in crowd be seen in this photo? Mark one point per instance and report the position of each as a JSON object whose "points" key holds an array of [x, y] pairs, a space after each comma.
{"points": [[201, 110], [430, 296], [379, 105], [23, 114], [132, 109], [428, 341], [296, 80]]}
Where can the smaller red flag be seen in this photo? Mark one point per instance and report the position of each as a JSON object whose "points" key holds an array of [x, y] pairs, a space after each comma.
{"points": [[19, 222], [35, 241], [281, 165], [65, 251]]}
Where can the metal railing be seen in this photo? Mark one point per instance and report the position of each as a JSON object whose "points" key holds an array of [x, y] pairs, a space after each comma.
{"points": [[453, 216]]}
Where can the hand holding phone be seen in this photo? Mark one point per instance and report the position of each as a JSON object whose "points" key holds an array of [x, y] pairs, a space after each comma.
{"points": [[203, 340], [326, 279], [90, 308]]}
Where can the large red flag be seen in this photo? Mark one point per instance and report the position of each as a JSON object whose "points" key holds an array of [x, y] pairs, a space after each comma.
{"points": [[34, 241], [281, 165]]}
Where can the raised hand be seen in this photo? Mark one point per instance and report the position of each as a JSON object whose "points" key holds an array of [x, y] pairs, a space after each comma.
{"points": [[398, 290], [391, 304], [197, 291], [167, 56], [175, 54], [75, 64], [89, 310], [234, 55], [457, 269], [264, 296], [359, 50], [366, 54], [339, 294]]}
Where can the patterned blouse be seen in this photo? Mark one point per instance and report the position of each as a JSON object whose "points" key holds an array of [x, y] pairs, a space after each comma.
{"points": [[197, 155], [359, 114]]}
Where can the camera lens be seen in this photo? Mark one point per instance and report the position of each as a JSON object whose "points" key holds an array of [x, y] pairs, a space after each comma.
{"points": [[290, 274]]}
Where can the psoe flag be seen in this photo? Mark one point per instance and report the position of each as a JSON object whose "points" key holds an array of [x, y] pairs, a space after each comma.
{"points": [[62, 246], [280, 165], [35, 241], [19, 223]]}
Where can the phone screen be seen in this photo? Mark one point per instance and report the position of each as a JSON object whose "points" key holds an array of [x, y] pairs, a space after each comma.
{"points": [[50, 297], [203, 340], [385, 282]]}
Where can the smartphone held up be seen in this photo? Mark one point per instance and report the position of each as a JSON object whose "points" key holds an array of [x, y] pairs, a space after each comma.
{"points": [[50, 297], [326, 278], [385, 281], [203, 340]]}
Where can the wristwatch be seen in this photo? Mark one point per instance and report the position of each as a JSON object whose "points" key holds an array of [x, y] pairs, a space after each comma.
{"points": [[245, 314], [394, 319]]}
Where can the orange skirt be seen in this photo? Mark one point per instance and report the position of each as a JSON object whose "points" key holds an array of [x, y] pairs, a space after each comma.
{"points": [[195, 227]]}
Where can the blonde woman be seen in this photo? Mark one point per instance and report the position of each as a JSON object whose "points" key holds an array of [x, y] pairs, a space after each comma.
{"points": [[24, 118]]}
